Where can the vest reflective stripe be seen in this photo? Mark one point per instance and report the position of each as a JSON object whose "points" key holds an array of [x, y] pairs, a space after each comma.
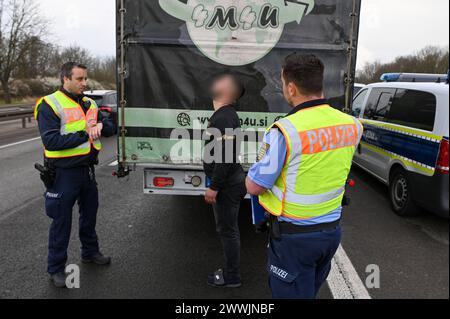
{"points": [[316, 140], [59, 111], [360, 129], [73, 120], [308, 199], [293, 156]]}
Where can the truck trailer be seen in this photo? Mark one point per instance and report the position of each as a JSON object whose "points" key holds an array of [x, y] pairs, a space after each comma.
{"points": [[169, 50]]}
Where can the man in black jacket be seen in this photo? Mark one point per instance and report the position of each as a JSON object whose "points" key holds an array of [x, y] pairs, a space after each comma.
{"points": [[227, 178]]}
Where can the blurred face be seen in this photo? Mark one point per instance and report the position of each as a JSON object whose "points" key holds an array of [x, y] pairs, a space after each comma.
{"points": [[76, 84], [224, 90]]}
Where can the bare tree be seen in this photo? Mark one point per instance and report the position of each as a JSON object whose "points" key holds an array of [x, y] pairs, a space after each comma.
{"points": [[76, 54], [21, 29], [38, 62], [428, 60], [104, 70]]}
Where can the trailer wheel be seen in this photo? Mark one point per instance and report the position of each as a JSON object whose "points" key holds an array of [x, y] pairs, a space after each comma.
{"points": [[400, 193]]}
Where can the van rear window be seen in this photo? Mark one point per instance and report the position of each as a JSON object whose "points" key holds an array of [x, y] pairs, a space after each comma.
{"points": [[413, 108]]}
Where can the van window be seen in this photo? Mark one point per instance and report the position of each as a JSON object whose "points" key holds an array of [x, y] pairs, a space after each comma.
{"points": [[111, 99], [414, 109], [379, 104], [97, 98], [384, 104], [358, 103]]}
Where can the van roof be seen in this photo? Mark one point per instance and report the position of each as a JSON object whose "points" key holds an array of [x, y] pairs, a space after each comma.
{"points": [[436, 88], [99, 92]]}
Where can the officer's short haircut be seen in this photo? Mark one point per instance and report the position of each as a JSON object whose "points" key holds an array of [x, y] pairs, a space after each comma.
{"points": [[67, 70], [306, 72]]}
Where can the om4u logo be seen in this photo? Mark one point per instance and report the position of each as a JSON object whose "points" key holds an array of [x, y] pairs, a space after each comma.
{"points": [[237, 32]]}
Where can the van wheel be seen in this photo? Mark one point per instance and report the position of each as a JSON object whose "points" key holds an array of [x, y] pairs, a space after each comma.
{"points": [[400, 193]]}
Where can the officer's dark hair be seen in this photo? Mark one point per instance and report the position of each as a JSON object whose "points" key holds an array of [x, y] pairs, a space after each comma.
{"points": [[239, 86], [67, 70], [306, 72]]}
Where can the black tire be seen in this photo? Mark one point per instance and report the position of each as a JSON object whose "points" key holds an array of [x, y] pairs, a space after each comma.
{"points": [[400, 194]]}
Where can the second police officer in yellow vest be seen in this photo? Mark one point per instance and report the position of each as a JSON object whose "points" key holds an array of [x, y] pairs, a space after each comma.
{"points": [[300, 179], [71, 125]]}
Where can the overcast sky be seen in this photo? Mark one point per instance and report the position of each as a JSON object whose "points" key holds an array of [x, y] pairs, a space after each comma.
{"points": [[389, 28]]}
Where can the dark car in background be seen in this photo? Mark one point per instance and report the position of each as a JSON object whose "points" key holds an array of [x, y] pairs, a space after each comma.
{"points": [[106, 101]]}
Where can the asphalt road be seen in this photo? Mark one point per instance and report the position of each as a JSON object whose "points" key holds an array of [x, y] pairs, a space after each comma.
{"points": [[164, 247]]}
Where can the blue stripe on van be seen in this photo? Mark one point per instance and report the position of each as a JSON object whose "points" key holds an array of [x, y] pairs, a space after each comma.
{"points": [[414, 148]]}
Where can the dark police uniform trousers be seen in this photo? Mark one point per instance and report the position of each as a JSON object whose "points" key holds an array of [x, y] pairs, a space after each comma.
{"points": [[299, 264], [71, 185]]}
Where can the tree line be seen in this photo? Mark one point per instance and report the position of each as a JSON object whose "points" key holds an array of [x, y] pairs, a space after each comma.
{"points": [[45, 60], [27, 56], [431, 59]]}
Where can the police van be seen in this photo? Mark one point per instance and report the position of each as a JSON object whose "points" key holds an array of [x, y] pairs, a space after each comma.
{"points": [[406, 140]]}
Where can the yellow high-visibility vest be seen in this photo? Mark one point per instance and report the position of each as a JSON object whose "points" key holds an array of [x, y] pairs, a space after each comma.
{"points": [[321, 142], [73, 119]]}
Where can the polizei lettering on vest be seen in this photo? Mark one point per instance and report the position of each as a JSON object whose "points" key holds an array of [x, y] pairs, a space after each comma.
{"points": [[328, 139]]}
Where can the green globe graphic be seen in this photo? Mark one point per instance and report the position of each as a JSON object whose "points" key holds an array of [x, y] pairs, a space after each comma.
{"points": [[234, 47], [237, 32]]}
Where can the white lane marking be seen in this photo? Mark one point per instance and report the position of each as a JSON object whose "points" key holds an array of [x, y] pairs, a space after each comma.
{"points": [[115, 163], [18, 143], [20, 208], [344, 281]]}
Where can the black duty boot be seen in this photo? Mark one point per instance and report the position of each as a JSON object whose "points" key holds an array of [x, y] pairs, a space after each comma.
{"points": [[59, 279], [97, 259], [221, 280]]}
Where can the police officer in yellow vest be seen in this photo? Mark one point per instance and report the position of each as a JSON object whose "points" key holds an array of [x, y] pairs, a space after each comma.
{"points": [[300, 179], [71, 125]]}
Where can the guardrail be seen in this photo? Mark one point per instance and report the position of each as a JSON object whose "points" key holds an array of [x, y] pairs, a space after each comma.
{"points": [[17, 114]]}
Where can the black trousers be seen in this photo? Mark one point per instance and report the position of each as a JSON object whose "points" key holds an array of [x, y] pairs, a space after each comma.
{"points": [[226, 212]]}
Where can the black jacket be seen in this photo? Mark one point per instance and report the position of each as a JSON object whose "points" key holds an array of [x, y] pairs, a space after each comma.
{"points": [[226, 171], [50, 130]]}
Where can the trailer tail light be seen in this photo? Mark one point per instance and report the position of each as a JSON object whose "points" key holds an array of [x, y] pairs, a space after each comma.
{"points": [[443, 160], [162, 182]]}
